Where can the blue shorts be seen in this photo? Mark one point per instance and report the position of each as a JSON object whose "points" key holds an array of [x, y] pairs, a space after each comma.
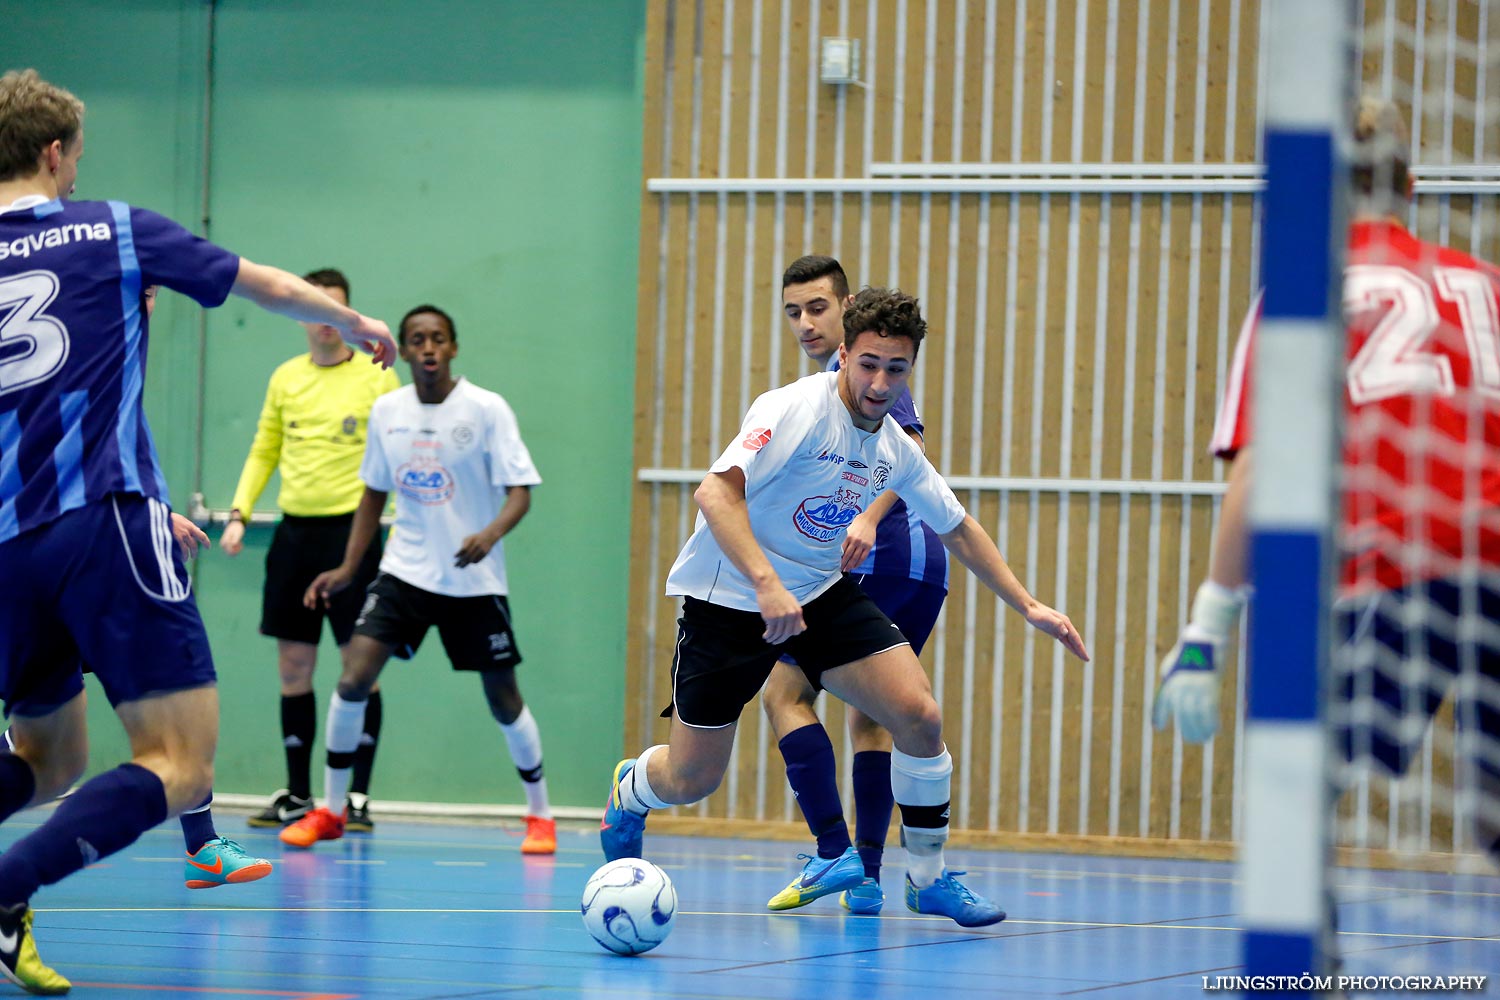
{"points": [[1403, 651], [103, 587], [913, 605]]}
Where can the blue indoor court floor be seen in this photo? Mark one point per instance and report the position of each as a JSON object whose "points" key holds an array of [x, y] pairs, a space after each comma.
{"points": [[454, 911]]}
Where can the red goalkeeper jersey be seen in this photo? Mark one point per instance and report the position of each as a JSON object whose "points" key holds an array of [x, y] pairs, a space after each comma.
{"points": [[1422, 419]]}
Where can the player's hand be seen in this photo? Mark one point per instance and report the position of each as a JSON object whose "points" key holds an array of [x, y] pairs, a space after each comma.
{"points": [[473, 549], [782, 613], [190, 538], [1189, 686], [232, 541], [858, 541], [374, 338], [1057, 625], [325, 585]]}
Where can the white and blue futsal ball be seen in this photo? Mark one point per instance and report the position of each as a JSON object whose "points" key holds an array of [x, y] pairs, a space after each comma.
{"points": [[629, 905]]}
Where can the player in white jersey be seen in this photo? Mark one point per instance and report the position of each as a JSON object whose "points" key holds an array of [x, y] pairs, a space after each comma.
{"points": [[901, 565], [760, 578], [453, 455]]}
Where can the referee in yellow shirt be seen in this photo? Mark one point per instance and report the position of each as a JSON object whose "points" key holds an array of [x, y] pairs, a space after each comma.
{"points": [[312, 427]]}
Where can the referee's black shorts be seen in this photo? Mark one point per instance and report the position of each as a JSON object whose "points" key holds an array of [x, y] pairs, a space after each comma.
{"points": [[722, 661], [302, 548]]}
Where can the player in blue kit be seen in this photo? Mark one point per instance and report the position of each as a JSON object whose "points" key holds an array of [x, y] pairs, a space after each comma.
{"points": [[91, 571], [900, 563]]}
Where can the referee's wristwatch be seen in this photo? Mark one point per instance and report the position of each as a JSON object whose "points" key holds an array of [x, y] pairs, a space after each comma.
{"points": [[235, 515]]}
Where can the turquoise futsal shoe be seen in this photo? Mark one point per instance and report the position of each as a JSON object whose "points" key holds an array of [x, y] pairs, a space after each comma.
{"points": [[620, 831], [820, 877], [867, 897], [948, 897], [222, 862]]}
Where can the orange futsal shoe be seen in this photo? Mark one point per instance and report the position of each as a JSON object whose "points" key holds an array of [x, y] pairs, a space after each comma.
{"points": [[541, 836], [320, 824]]}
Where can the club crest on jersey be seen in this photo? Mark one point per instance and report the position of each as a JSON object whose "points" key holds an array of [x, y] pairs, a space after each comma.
{"points": [[425, 481], [351, 424], [824, 518], [882, 475], [463, 435], [757, 439]]}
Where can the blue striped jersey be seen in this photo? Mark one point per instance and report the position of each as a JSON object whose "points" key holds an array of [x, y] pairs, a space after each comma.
{"points": [[904, 546], [73, 349]]}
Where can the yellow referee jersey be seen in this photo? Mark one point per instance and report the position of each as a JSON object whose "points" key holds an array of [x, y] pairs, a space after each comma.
{"points": [[313, 426]]}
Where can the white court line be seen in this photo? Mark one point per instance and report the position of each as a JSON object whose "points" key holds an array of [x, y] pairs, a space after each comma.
{"points": [[759, 915]]}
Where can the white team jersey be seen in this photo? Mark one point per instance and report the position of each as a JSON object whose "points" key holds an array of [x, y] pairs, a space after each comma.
{"points": [[808, 473], [449, 464]]}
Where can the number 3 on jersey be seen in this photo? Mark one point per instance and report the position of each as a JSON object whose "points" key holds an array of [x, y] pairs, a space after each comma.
{"points": [[33, 346], [1392, 362]]}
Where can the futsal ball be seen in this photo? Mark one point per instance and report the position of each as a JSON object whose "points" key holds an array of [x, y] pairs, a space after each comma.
{"points": [[628, 906]]}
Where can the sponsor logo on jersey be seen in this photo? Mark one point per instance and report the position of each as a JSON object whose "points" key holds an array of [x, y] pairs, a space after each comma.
{"points": [[882, 475], [398, 430], [463, 435], [855, 463], [861, 480], [833, 457], [757, 439], [426, 482], [56, 236], [825, 518]]}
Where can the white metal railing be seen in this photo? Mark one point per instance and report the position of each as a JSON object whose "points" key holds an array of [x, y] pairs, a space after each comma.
{"points": [[1056, 178], [1138, 487]]}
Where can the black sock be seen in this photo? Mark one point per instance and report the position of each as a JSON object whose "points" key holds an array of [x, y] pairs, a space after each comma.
{"points": [[369, 741], [299, 726]]}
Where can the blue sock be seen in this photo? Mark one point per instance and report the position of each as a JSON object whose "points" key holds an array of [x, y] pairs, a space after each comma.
{"points": [[17, 785], [198, 825], [873, 805], [812, 773], [106, 814]]}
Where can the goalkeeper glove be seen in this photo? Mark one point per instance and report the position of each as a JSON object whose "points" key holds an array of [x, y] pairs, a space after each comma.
{"points": [[1189, 686]]}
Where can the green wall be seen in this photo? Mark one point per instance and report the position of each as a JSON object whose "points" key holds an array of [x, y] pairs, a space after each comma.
{"points": [[481, 155]]}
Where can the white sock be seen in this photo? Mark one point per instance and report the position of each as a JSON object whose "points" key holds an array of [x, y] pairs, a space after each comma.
{"points": [[346, 723], [525, 743], [636, 792], [922, 784]]}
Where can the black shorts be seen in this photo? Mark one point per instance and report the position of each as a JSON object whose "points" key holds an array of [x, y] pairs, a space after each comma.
{"points": [[722, 662], [476, 631], [1402, 652], [302, 548]]}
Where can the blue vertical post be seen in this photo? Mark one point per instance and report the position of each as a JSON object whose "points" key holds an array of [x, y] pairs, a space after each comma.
{"points": [[1297, 412]]}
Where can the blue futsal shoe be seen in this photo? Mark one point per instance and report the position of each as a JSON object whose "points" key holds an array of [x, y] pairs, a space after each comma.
{"points": [[948, 897], [620, 831], [820, 877], [867, 897], [222, 861]]}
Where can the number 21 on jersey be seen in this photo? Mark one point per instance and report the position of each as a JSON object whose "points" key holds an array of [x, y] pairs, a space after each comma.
{"points": [[1392, 361]]}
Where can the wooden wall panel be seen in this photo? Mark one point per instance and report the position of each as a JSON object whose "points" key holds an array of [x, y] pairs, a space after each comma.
{"points": [[1076, 339]]}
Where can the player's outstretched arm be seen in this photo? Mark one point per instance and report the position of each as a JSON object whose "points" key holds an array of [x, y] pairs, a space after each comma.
{"points": [[361, 534], [721, 497], [976, 550], [285, 294], [1189, 686]]}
